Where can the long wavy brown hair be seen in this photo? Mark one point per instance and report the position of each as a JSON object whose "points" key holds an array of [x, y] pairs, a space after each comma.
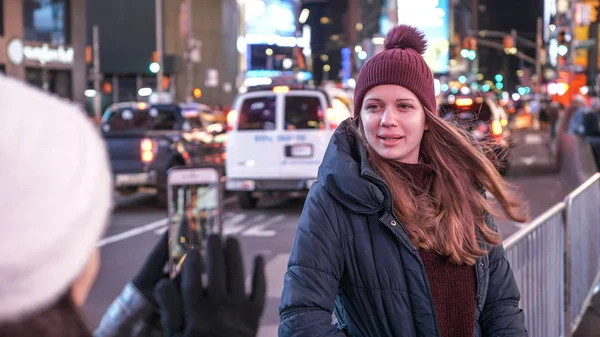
{"points": [[451, 218]]}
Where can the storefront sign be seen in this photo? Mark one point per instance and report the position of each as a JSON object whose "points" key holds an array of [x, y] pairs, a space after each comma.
{"points": [[18, 52]]}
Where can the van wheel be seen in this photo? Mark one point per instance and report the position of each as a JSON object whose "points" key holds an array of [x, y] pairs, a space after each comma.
{"points": [[246, 200]]}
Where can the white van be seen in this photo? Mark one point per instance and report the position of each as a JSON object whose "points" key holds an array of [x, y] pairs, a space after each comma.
{"points": [[276, 140]]}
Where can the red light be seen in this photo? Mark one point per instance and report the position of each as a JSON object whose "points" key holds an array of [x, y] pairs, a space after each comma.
{"points": [[148, 148], [464, 102], [232, 117], [333, 118], [281, 89], [146, 145], [496, 128], [147, 156]]}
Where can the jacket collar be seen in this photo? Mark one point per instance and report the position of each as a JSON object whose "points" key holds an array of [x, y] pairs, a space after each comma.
{"points": [[349, 177]]}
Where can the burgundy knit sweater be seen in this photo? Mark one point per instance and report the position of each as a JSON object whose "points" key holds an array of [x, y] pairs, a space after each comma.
{"points": [[453, 286]]}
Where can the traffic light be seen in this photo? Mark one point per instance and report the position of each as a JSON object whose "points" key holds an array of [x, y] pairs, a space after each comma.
{"points": [[509, 42], [563, 44], [470, 43], [166, 82], [469, 47], [197, 93], [154, 66], [107, 88], [89, 56]]}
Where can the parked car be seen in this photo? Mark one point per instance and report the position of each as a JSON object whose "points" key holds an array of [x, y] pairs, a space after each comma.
{"points": [[486, 121], [146, 140]]}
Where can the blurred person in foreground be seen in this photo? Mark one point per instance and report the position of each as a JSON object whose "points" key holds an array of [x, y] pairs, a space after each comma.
{"points": [[55, 203], [396, 237]]}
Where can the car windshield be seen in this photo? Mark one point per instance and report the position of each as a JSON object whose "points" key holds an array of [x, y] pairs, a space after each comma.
{"points": [[133, 119]]}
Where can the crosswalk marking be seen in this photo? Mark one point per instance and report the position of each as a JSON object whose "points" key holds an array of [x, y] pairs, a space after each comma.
{"points": [[161, 230], [232, 226], [261, 229], [239, 224], [533, 139]]}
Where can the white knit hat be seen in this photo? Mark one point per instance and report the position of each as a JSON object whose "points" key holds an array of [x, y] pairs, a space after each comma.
{"points": [[55, 197]]}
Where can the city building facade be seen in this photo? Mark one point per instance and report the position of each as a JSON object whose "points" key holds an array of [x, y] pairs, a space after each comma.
{"points": [[42, 42]]}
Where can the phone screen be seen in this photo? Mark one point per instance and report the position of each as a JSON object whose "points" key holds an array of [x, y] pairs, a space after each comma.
{"points": [[194, 215]]}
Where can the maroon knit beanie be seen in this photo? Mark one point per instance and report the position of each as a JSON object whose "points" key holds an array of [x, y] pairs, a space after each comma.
{"points": [[400, 63]]}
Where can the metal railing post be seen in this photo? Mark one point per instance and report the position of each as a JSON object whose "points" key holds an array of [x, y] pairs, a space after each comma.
{"points": [[567, 276]]}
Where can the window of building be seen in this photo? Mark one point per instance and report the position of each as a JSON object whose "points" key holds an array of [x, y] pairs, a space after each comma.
{"points": [[47, 21]]}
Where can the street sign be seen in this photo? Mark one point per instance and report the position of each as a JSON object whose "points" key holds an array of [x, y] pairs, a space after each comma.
{"points": [[184, 19], [193, 52]]}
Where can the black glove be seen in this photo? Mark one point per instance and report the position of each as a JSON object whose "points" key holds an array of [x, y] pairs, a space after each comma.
{"points": [[222, 309], [153, 269]]}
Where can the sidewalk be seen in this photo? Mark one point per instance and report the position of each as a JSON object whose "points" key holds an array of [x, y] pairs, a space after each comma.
{"points": [[531, 153], [532, 159], [590, 324]]}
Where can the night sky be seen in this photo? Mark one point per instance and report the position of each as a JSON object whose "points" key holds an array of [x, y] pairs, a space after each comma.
{"points": [[504, 16]]}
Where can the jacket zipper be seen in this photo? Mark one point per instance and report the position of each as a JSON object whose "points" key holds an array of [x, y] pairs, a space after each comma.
{"points": [[406, 241]]}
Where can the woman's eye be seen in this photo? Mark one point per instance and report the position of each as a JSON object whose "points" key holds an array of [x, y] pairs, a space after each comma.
{"points": [[405, 106], [372, 107]]}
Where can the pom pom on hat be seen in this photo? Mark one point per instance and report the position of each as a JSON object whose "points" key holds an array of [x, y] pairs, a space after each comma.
{"points": [[401, 63], [406, 37]]}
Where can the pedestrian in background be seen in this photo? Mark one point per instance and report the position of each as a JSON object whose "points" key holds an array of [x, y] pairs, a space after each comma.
{"points": [[396, 237], [55, 203]]}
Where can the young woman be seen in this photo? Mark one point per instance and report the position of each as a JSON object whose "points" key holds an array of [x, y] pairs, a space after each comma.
{"points": [[396, 236]]}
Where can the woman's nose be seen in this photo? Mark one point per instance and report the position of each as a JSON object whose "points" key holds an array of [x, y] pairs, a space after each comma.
{"points": [[388, 119]]}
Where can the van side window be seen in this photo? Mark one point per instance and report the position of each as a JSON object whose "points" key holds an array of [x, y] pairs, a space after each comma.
{"points": [[257, 114], [303, 112]]}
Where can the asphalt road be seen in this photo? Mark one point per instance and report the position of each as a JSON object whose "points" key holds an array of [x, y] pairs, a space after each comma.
{"points": [[136, 225]]}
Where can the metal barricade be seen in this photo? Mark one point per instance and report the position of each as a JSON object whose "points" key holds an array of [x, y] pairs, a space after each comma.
{"points": [[583, 248], [556, 262], [536, 256]]}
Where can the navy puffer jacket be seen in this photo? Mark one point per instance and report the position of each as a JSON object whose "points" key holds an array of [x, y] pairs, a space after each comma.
{"points": [[352, 257]]}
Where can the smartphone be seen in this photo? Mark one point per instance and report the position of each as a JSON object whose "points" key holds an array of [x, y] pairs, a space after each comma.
{"points": [[194, 212]]}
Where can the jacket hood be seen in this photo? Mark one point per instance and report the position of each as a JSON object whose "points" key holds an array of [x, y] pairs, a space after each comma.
{"points": [[348, 176]]}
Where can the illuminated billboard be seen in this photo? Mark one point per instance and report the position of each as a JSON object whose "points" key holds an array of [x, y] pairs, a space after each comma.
{"points": [[270, 18], [432, 17]]}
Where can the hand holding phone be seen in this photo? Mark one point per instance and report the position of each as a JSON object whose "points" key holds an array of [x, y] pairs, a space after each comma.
{"points": [[194, 212], [219, 308]]}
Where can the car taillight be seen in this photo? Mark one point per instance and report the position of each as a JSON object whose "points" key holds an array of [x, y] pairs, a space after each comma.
{"points": [[148, 149], [332, 118], [496, 128], [232, 117]]}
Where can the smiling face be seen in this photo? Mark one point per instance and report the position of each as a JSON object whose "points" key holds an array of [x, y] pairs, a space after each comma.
{"points": [[393, 120]]}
